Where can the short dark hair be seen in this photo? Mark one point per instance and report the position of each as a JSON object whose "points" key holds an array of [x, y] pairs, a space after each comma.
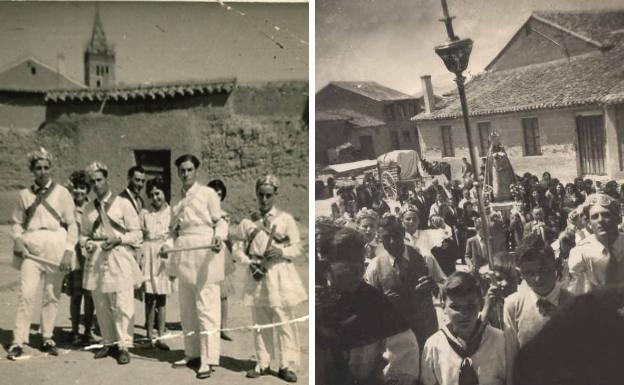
{"points": [[80, 178], [390, 223], [218, 185], [347, 245], [156, 182], [460, 284], [531, 248], [187, 158], [134, 169]]}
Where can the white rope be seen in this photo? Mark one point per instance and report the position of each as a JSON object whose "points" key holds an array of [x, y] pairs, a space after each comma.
{"points": [[255, 327]]}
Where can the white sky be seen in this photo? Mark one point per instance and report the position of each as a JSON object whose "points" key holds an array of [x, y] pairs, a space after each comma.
{"points": [[392, 41]]}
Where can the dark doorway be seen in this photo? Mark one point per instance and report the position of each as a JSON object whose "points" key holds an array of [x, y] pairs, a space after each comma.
{"points": [[367, 147], [156, 163], [591, 144]]}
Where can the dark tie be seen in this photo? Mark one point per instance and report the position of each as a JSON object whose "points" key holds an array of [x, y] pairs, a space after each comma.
{"points": [[545, 307], [612, 269]]}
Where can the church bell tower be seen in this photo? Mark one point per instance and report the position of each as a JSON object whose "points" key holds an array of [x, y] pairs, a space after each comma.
{"points": [[99, 58]]}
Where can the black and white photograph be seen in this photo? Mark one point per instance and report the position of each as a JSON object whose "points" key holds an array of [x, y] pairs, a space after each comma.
{"points": [[469, 192], [154, 192]]}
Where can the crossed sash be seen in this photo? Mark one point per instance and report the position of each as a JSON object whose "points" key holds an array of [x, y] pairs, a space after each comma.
{"points": [[105, 220], [41, 200]]}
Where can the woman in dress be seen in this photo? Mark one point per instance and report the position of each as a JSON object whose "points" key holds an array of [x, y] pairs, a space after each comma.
{"points": [[227, 285], [155, 226]]}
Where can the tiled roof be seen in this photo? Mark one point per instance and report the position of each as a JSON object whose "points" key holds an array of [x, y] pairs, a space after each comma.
{"points": [[152, 91], [372, 90], [16, 76], [586, 79], [355, 118], [596, 26]]}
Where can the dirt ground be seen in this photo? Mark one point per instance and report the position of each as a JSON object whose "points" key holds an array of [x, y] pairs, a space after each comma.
{"points": [[74, 366]]}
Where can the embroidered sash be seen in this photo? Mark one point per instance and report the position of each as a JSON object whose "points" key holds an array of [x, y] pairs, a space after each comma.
{"points": [[41, 200], [106, 220]]}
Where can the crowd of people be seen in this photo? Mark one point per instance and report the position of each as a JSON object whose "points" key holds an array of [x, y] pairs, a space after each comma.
{"points": [[107, 249], [381, 272]]}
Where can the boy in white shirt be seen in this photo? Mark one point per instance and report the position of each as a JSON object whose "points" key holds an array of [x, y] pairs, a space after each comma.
{"points": [[467, 351]]}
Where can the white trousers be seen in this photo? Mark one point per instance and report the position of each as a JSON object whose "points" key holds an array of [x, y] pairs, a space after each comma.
{"points": [[200, 311], [115, 315], [287, 346], [31, 274]]}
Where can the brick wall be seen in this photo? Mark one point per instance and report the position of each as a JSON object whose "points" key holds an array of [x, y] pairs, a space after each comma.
{"points": [[529, 48]]}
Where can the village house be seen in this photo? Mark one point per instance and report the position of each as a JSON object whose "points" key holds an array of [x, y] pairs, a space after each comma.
{"points": [[362, 120], [238, 131], [555, 95]]}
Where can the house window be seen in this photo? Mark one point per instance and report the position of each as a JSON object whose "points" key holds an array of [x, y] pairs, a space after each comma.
{"points": [[484, 137], [106, 70], [406, 136], [98, 84], [447, 141], [389, 112], [531, 137], [394, 138]]}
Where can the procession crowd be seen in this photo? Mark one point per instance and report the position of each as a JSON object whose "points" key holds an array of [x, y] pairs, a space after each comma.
{"points": [[515, 314], [108, 249]]}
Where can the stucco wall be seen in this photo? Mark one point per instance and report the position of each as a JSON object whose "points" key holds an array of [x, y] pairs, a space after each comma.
{"points": [[558, 139], [21, 110]]}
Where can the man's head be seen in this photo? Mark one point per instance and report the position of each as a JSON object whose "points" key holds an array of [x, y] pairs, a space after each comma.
{"points": [[40, 164], [462, 301], [98, 173], [604, 217], [346, 252], [80, 186], [393, 235], [367, 221], [136, 179], [536, 262], [266, 190], [187, 169]]}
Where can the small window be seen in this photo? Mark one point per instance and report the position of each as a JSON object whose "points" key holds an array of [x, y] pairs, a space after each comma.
{"points": [[531, 137], [98, 84], [394, 137], [97, 70], [106, 70], [389, 112], [484, 137], [447, 141], [33, 70]]}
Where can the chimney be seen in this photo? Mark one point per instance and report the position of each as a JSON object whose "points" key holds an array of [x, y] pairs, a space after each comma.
{"points": [[60, 68], [427, 91]]}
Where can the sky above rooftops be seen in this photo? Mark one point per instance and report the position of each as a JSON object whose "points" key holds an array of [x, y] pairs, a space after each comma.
{"points": [[392, 42], [164, 42]]}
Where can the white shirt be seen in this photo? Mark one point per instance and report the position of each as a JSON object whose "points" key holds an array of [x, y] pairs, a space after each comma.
{"points": [[588, 264], [440, 364]]}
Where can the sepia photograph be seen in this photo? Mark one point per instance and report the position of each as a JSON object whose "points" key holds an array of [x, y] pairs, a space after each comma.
{"points": [[154, 192], [469, 192]]}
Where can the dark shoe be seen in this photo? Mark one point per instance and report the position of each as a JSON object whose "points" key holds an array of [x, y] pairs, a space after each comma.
{"points": [[225, 337], [186, 363], [253, 373], [104, 352], [15, 351], [88, 339], [76, 339], [287, 375], [123, 357], [49, 346], [161, 345], [204, 374]]}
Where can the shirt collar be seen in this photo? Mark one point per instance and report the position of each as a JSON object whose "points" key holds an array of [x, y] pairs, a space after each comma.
{"points": [[617, 246], [35, 186], [106, 197], [190, 190], [271, 213], [391, 258], [552, 297]]}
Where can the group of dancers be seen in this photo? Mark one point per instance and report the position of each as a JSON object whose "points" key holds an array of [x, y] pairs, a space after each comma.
{"points": [[108, 249]]}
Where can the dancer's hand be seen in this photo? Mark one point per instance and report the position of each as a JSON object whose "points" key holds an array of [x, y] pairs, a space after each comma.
{"points": [[65, 264]]}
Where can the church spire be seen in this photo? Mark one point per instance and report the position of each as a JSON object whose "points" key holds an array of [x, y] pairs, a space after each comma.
{"points": [[98, 44], [99, 57]]}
